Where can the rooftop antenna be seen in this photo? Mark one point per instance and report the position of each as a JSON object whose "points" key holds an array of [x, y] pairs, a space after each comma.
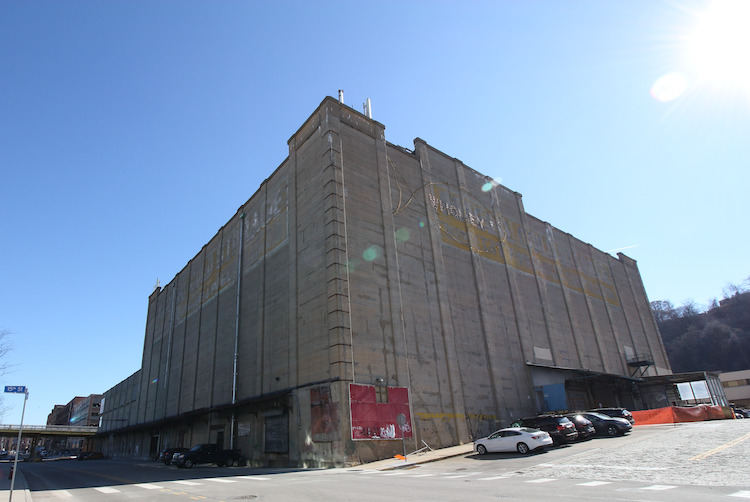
{"points": [[157, 284], [368, 108], [341, 96]]}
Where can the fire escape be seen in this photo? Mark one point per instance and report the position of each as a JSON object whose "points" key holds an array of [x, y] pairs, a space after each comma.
{"points": [[640, 364]]}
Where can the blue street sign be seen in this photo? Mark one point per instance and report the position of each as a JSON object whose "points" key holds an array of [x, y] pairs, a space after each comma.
{"points": [[16, 389]]}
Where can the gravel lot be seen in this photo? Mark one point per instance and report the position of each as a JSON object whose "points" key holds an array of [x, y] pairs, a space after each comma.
{"points": [[714, 453]]}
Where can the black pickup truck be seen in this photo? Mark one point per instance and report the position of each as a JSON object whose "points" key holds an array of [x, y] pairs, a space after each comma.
{"points": [[206, 454]]}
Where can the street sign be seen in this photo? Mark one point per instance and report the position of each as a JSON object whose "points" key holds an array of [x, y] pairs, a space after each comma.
{"points": [[15, 389]]}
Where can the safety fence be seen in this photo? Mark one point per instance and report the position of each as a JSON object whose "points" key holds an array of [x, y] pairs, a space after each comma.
{"points": [[676, 414]]}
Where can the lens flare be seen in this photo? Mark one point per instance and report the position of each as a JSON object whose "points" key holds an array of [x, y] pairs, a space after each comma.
{"points": [[490, 185], [402, 235], [372, 253], [669, 87]]}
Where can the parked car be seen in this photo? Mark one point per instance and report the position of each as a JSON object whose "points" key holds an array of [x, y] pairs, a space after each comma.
{"points": [[616, 413], [520, 439], [606, 425], [167, 453], [206, 454], [583, 425], [91, 455], [738, 413], [560, 428]]}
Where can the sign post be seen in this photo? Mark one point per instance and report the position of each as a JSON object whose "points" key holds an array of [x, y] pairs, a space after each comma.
{"points": [[401, 420], [17, 389]]}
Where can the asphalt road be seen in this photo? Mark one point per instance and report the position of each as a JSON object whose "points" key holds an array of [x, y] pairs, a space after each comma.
{"points": [[706, 461]]}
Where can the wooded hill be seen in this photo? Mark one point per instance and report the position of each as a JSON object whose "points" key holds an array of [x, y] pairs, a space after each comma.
{"points": [[715, 340]]}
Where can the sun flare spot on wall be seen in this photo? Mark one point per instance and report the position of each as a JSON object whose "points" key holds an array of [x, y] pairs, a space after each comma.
{"points": [[402, 235], [372, 253], [490, 185]]}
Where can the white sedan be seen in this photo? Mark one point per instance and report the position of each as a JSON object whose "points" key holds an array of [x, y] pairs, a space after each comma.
{"points": [[520, 439]]}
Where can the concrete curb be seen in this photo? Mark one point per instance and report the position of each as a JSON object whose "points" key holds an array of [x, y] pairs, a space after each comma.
{"points": [[413, 460]]}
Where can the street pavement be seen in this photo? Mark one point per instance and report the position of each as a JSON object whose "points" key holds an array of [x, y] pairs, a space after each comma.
{"points": [[681, 462], [21, 491]]}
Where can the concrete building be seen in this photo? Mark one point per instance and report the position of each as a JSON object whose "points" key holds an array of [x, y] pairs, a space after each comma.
{"points": [[368, 293], [83, 411], [737, 387]]}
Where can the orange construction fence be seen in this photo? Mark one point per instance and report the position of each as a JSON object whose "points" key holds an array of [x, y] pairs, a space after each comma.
{"points": [[675, 414]]}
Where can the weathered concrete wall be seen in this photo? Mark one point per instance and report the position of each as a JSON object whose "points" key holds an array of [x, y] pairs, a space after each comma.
{"points": [[365, 262]]}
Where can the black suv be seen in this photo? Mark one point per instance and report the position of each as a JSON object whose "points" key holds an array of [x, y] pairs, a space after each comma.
{"points": [[560, 428], [616, 413]]}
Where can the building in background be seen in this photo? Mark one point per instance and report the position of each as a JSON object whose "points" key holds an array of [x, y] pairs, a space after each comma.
{"points": [[368, 294], [81, 411], [737, 387]]}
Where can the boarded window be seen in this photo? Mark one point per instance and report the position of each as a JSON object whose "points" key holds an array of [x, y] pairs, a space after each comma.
{"points": [[277, 433]]}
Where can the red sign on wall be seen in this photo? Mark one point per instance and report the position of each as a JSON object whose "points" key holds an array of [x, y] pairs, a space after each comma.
{"points": [[374, 420]]}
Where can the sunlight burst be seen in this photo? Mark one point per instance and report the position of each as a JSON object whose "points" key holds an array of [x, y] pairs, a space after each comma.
{"points": [[718, 46]]}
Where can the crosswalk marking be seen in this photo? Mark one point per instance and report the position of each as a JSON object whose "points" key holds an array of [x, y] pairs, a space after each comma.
{"points": [[595, 483], [62, 494], [744, 494], [492, 478], [421, 475], [658, 487], [188, 483], [397, 473], [541, 480], [148, 486], [221, 480], [254, 478], [106, 489]]}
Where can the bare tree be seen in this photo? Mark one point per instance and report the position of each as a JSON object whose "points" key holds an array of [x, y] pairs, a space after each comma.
{"points": [[5, 347], [689, 309], [663, 310]]}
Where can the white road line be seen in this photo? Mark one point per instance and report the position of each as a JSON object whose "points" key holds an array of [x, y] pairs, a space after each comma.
{"points": [[421, 475], [541, 480], [220, 480], [253, 478], [61, 494], [188, 483], [658, 487], [399, 473], [595, 483], [107, 489], [149, 486], [456, 476], [492, 478], [743, 494]]}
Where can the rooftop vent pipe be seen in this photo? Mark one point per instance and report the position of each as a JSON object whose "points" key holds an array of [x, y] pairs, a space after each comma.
{"points": [[341, 96], [368, 108]]}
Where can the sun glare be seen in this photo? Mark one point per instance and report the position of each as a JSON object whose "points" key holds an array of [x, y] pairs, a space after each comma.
{"points": [[718, 46]]}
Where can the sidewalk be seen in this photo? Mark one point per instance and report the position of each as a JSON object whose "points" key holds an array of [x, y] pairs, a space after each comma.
{"points": [[417, 458], [21, 491]]}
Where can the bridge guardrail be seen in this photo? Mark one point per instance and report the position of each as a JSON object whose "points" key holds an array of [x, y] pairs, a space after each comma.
{"points": [[50, 428]]}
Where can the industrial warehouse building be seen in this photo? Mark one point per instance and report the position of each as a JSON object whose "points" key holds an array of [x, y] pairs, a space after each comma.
{"points": [[368, 293]]}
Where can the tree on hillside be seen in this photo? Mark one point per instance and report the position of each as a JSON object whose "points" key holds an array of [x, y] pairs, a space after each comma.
{"points": [[715, 340]]}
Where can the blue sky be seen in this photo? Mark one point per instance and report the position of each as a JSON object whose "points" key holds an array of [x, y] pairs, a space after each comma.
{"points": [[131, 131]]}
